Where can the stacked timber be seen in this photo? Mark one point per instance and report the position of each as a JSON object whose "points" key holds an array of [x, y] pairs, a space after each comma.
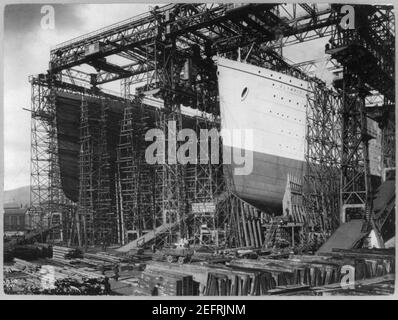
{"points": [[279, 276], [216, 279], [93, 263], [103, 257], [163, 283], [197, 271], [384, 285], [50, 279], [290, 272], [64, 253], [238, 283], [265, 276], [368, 263], [56, 272], [25, 265], [98, 261]]}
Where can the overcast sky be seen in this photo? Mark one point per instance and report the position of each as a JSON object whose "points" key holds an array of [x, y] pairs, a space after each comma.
{"points": [[26, 52]]}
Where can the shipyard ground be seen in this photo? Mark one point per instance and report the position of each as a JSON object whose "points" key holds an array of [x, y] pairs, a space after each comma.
{"points": [[235, 273]]}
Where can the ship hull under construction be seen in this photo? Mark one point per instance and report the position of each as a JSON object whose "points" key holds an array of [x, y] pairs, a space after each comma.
{"points": [[272, 106]]}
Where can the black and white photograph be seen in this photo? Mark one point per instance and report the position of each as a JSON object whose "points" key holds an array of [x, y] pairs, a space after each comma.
{"points": [[198, 150]]}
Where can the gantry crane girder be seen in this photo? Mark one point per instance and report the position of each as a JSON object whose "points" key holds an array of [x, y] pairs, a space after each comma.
{"points": [[213, 28], [179, 20], [370, 43]]}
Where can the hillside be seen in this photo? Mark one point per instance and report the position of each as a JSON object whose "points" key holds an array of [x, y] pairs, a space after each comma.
{"points": [[20, 196]]}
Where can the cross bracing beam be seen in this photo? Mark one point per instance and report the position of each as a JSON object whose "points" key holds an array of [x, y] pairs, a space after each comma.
{"points": [[215, 28]]}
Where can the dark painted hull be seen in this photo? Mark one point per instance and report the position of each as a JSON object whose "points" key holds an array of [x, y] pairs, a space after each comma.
{"points": [[68, 131], [266, 185]]}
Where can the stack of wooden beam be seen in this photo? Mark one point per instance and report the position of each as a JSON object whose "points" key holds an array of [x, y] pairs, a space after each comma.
{"points": [[168, 283], [97, 261], [56, 272], [25, 265], [197, 271], [102, 256], [266, 276], [290, 272], [384, 285], [101, 259], [368, 263], [217, 279], [252, 277], [63, 253], [238, 283], [311, 271]]}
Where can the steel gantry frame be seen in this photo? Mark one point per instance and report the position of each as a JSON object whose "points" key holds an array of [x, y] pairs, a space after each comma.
{"points": [[136, 179], [171, 50], [181, 26], [370, 44], [49, 207], [215, 28], [323, 157], [88, 168]]}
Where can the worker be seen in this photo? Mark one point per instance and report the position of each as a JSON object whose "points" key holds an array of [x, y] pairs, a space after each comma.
{"points": [[116, 272], [107, 285], [155, 290], [153, 248]]}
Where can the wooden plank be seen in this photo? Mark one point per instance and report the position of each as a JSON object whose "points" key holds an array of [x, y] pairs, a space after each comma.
{"points": [[260, 234], [357, 255], [253, 264], [247, 238], [238, 224], [383, 251], [251, 234], [255, 233], [288, 289]]}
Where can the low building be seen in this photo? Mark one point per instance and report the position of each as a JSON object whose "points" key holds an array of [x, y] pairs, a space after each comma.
{"points": [[14, 218]]}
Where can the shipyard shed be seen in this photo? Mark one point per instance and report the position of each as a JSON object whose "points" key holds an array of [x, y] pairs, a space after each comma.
{"points": [[14, 218]]}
